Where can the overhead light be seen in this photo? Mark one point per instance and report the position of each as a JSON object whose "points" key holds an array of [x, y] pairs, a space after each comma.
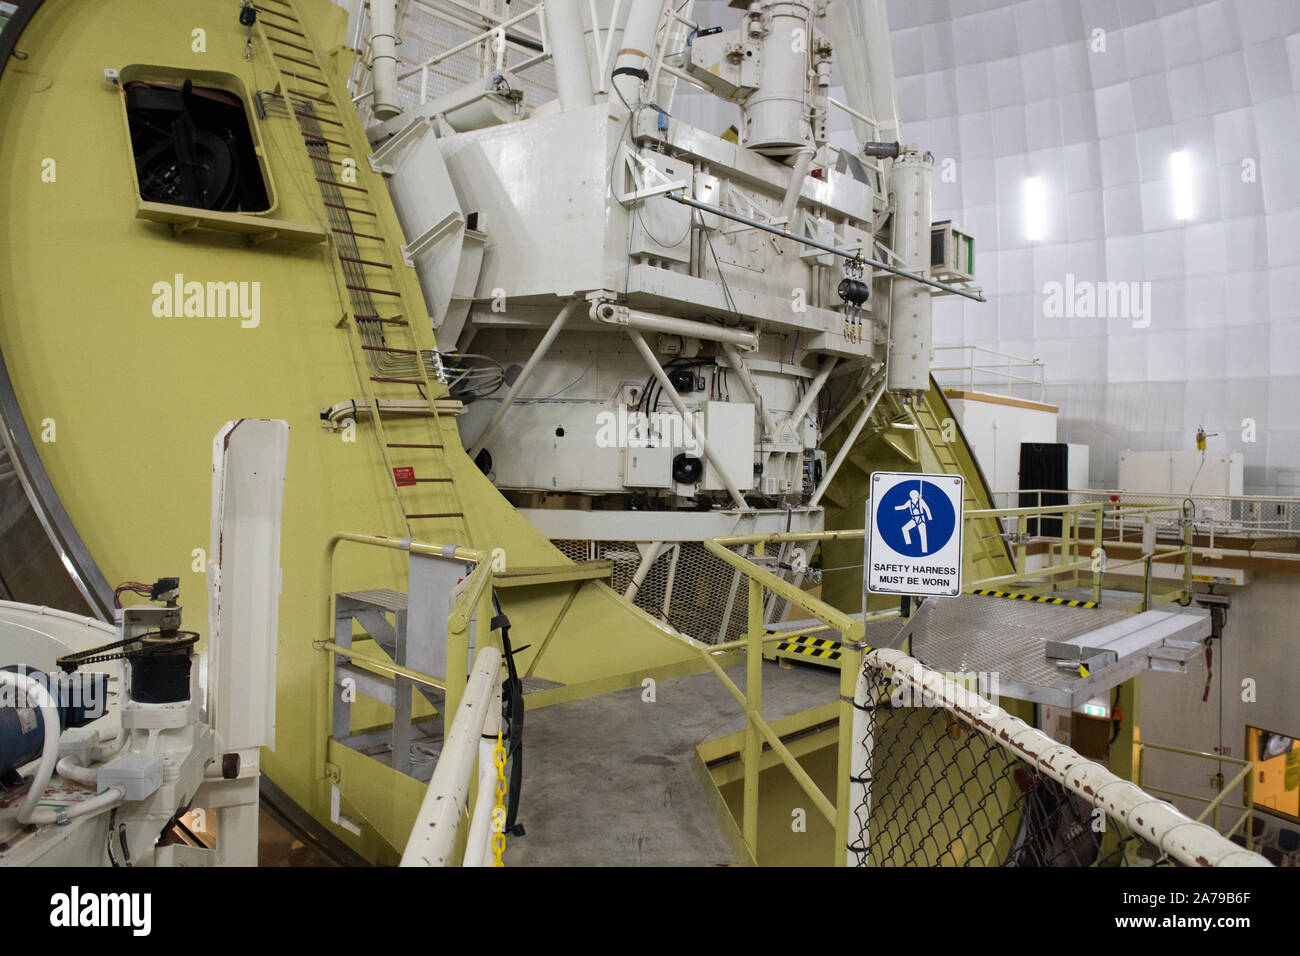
{"points": [[1033, 203], [1181, 178]]}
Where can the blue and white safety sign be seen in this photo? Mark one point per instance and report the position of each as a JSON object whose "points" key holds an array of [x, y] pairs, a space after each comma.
{"points": [[914, 526]]}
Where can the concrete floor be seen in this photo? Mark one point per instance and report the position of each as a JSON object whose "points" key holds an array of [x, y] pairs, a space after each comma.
{"points": [[609, 781]]}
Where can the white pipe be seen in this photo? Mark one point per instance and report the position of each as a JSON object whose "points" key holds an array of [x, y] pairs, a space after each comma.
{"points": [[383, 58], [714, 459], [847, 446], [638, 42], [544, 346], [31, 692], [68, 768], [483, 826], [647, 560], [1155, 821], [433, 836], [797, 177], [689, 328], [814, 389], [568, 49]]}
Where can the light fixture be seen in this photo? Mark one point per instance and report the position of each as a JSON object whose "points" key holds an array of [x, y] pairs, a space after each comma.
{"points": [[1181, 176], [1033, 203]]}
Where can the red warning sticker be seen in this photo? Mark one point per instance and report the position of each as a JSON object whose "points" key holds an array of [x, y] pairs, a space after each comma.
{"points": [[404, 475]]}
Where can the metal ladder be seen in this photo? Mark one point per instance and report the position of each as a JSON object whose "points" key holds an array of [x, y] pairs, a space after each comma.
{"points": [[392, 349]]}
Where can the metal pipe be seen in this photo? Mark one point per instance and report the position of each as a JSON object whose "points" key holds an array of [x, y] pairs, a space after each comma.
{"points": [[824, 247], [638, 41], [714, 459], [568, 49], [814, 389], [433, 837], [612, 314], [847, 446], [749, 387], [647, 560], [383, 58], [539, 353]]}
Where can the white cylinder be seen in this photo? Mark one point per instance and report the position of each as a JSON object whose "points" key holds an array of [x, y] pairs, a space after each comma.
{"points": [[568, 49], [383, 58], [636, 49], [910, 326], [776, 116]]}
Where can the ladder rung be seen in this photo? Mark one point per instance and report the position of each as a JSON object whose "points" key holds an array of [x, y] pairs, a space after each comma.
{"points": [[299, 76], [308, 96], [335, 182], [406, 445], [305, 49], [320, 118], [366, 288], [334, 205], [381, 348], [397, 381], [276, 26], [442, 481], [449, 514], [359, 235], [324, 139], [365, 262], [272, 13]]}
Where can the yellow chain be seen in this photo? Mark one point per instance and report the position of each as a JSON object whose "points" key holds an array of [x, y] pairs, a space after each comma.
{"points": [[499, 813]]}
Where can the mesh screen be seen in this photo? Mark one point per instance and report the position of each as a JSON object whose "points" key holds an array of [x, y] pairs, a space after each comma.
{"points": [[940, 793]]}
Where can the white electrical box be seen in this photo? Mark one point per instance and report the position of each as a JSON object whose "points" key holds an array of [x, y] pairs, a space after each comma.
{"points": [[139, 775], [729, 427], [648, 467]]}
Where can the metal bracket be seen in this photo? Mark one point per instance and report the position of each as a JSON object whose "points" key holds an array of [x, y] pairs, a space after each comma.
{"points": [[432, 236], [649, 182]]}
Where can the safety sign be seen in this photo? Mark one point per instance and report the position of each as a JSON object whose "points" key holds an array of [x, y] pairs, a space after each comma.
{"points": [[914, 525]]}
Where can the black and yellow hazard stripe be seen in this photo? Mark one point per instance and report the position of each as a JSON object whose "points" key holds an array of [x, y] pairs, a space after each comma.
{"points": [[1035, 598], [823, 649]]}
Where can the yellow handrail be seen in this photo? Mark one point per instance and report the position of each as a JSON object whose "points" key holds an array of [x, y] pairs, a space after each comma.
{"points": [[1212, 805]]}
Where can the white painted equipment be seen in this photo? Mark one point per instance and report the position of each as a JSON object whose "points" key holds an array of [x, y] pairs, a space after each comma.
{"points": [[106, 788]]}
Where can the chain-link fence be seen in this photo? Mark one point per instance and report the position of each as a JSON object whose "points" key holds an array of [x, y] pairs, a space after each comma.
{"points": [[943, 777]]}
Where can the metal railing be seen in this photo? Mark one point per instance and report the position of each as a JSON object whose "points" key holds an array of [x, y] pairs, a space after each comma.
{"points": [[982, 369], [851, 630], [1213, 805], [465, 710], [1080, 546], [1253, 517], [469, 741]]}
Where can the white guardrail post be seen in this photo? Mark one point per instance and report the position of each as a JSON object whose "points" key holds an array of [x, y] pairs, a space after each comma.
{"points": [[433, 837]]}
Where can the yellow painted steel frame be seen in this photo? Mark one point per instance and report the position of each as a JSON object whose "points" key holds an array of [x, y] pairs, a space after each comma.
{"points": [[1244, 776], [851, 631]]}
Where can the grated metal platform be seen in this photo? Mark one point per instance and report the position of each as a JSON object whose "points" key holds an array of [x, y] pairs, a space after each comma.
{"points": [[1055, 655]]}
